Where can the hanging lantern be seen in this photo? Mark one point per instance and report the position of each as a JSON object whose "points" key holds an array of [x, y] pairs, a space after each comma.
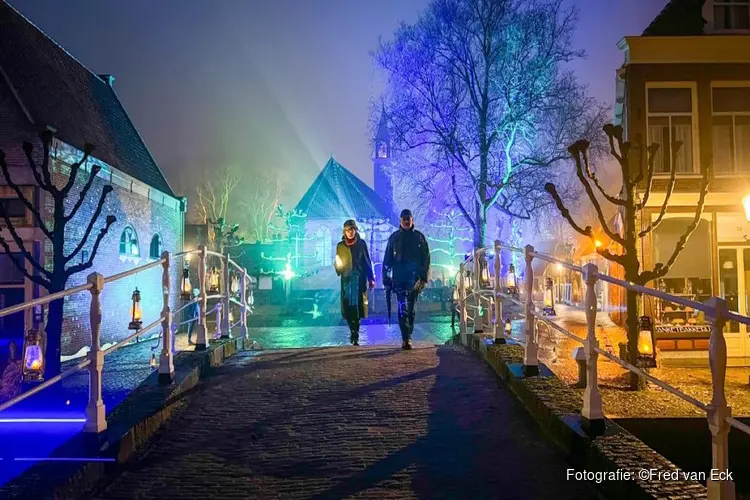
{"points": [[508, 327], [186, 290], [214, 280], [153, 362], [455, 294], [250, 298], [235, 288], [646, 352], [467, 281], [135, 312], [510, 280], [484, 272], [34, 346], [549, 299]]}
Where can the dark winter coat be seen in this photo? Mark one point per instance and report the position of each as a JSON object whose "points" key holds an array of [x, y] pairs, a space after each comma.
{"points": [[355, 271], [406, 259]]}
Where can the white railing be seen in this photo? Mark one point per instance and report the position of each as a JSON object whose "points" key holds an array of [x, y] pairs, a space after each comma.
{"points": [[474, 290], [95, 283]]}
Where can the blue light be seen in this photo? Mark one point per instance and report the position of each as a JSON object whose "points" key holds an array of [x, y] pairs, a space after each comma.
{"points": [[42, 420], [63, 459]]}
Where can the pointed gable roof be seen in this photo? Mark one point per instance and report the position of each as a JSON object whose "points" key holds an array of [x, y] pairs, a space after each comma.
{"points": [[678, 18], [58, 91], [338, 193]]}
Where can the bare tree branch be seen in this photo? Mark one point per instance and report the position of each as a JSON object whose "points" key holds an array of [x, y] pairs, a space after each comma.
{"points": [[19, 192], [111, 219], [19, 265], [75, 167], [94, 218], [84, 192], [20, 244], [670, 188]]}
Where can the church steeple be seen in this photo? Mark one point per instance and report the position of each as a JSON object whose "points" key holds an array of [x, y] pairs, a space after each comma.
{"points": [[381, 160], [383, 138]]}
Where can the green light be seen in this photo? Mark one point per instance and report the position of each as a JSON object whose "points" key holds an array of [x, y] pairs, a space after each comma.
{"points": [[288, 274]]}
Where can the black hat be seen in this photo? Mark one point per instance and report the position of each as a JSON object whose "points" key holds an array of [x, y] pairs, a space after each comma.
{"points": [[405, 213], [350, 223]]}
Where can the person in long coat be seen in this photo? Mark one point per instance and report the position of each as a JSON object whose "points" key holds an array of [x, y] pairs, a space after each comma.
{"points": [[354, 266]]}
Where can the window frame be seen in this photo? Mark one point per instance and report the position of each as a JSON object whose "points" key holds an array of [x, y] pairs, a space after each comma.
{"points": [[151, 245], [128, 255], [728, 85], [324, 230], [694, 131], [729, 4]]}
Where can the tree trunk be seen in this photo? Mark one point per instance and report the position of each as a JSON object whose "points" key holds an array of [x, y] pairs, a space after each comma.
{"points": [[480, 229], [636, 383], [53, 328]]}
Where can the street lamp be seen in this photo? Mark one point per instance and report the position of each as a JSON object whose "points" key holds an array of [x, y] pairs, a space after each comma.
{"points": [[135, 311], [646, 353], [510, 280], [549, 299], [34, 347]]}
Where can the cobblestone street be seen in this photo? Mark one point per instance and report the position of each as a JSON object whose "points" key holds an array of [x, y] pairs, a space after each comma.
{"points": [[370, 422]]}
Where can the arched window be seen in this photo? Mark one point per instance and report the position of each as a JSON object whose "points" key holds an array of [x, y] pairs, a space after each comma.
{"points": [[129, 243], [154, 251], [324, 246]]}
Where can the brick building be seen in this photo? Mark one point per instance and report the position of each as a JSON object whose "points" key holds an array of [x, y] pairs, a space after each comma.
{"points": [[687, 78], [43, 86]]}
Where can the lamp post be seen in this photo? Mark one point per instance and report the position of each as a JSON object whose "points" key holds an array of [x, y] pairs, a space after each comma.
{"points": [[646, 351]]}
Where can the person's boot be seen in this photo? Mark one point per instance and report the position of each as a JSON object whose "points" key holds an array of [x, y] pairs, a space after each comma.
{"points": [[355, 338], [406, 344]]}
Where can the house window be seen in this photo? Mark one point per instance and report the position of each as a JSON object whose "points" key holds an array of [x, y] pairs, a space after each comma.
{"points": [[732, 14], [154, 251], [670, 119], [13, 208], [129, 243], [324, 246], [9, 272], [731, 129]]}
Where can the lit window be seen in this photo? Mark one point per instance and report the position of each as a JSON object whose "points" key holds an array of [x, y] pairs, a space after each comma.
{"points": [[670, 119], [732, 14], [129, 243], [382, 150], [154, 251], [731, 129], [324, 246]]}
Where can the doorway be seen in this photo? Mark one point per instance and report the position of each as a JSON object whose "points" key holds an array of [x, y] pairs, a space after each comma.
{"points": [[734, 284]]}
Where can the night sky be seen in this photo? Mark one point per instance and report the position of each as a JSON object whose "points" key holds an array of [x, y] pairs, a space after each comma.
{"points": [[266, 84]]}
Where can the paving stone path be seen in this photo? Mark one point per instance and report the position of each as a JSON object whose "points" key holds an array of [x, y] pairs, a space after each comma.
{"points": [[368, 422]]}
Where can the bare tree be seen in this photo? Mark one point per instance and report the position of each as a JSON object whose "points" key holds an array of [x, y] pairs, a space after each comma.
{"points": [[260, 203], [214, 194], [636, 166], [478, 100], [62, 269]]}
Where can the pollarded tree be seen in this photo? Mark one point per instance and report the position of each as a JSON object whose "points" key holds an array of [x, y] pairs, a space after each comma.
{"points": [[62, 268], [637, 166], [478, 99]]}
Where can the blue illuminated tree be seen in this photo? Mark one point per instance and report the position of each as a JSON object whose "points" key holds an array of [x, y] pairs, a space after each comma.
{"points": [[478, 99]]}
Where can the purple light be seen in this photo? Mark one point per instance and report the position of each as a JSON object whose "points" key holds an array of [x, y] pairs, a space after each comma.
{"points": [[41, 420]]}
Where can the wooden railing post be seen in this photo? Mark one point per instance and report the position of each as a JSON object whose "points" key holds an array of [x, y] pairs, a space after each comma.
{"points": [[219, 320], [718, 410], [530, 361], [96, 420], [499, 323], [226, 327], [166, 358], [477, 287], [462, 321], [592, 398], [243, 314], [201, 340]]}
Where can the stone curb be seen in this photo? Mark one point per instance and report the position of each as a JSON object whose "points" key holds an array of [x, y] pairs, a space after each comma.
{"points": [[130, 425], [557, 410]]}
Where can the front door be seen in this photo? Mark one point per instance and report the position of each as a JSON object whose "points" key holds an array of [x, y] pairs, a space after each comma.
{"points": [[734, 285]]}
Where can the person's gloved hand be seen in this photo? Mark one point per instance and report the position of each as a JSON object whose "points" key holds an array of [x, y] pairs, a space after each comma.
{"points": [[372, 284]]}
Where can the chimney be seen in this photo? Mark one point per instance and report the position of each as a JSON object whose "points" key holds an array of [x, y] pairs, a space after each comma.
{"points": [[108, 79]]}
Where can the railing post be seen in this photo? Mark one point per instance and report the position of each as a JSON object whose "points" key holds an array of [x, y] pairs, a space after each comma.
{"points": [[592, 398], [499, 323], [462, 321], [219, 320], [201, 340], [226, 327], [718, 410], [243, 314], [166, 358], [477, 287], [530, 361], [96, 420]]}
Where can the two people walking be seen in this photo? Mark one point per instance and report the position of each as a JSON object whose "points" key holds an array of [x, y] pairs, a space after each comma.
{"points": [[406, 265]]}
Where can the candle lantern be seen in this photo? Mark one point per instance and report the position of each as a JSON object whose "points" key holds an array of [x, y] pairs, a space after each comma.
{"points": [[214, 280], [455, 294], [646, 351], [549, 299], [510, 281], [135, 311], [508, 327], [235, 288], [34, 347], [186, 290], [467, 281], [484, 272]]}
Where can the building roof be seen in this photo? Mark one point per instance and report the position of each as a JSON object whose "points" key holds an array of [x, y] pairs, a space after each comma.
{"points": [[58, 91], [337, 193], [678, 18]]}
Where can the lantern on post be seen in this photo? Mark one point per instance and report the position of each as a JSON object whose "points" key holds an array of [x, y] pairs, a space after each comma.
{"points": [[34, 347], [484, 273], [549, 299], [646, 351], [214, 281], [135, 311], [510, 281], [508, 327], [186, 289], [235, 288]]}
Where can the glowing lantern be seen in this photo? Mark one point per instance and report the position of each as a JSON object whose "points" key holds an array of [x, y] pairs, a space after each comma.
{"points": [[484, 272], [231, 318], [598, 244], [288, 273], [135, 311], [455, 295], [214, 281], [467, 281], [250, 298], [646, 354], [338, 263], [508, 327], [186, 290], [549, 299], [153, 362], [510, 280], [34, 346], [235, 288]]}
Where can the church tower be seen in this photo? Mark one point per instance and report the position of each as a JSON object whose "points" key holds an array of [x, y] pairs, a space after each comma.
{"points": [[381, 159]]}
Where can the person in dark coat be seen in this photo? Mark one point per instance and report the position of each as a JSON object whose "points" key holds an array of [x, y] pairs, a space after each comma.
{"points": [[406, 265], [354, 266]]}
